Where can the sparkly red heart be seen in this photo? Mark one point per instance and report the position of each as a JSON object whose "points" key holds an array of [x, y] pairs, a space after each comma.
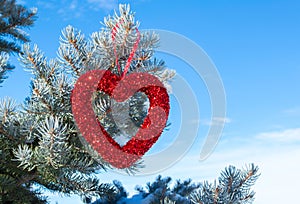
{"points": [[120, 89]]}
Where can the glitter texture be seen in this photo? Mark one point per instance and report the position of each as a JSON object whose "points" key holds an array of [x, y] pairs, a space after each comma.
{"points": [[119, 89]]}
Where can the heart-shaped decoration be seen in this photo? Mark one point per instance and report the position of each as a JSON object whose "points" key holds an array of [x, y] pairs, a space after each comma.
{"points": [[120, 89], [121, 120]]}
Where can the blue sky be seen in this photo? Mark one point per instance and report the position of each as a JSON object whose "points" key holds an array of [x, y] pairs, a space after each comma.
{"points": [[255, 47]]}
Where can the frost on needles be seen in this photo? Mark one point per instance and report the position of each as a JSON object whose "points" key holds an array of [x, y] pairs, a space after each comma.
{"points": [[40, 147]]}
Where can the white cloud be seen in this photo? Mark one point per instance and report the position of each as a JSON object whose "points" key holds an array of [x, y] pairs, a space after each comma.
{"points": [[220, 120], [73, 5], [278, 163], [73, 9], [21, 2], [287, 135], [103, 4], [279, 169], [46, 4], [216, 121], [292, 111]]}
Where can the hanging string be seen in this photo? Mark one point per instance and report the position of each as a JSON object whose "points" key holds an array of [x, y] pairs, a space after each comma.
{"points": [[131, 55], [113, 37]]}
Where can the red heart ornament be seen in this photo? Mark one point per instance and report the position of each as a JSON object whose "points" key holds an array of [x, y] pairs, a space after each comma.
{"points": [[119, 89]]}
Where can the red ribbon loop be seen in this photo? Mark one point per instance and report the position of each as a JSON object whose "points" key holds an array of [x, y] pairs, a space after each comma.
{"points": [[131, 55]]}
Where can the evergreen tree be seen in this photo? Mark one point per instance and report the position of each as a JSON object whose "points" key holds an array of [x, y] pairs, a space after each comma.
{"points": [[160, 191], [234, 187], [40, 144], [182, 190], [119, 197], [157, 191], [13, 19]]}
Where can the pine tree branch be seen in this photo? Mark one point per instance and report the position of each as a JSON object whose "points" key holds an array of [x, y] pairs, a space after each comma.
{"points": [[3, 132], [36, 66], [72, 64], [40, 97], [25, 21], [56, 157], [27, 178], [9, 47]]}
